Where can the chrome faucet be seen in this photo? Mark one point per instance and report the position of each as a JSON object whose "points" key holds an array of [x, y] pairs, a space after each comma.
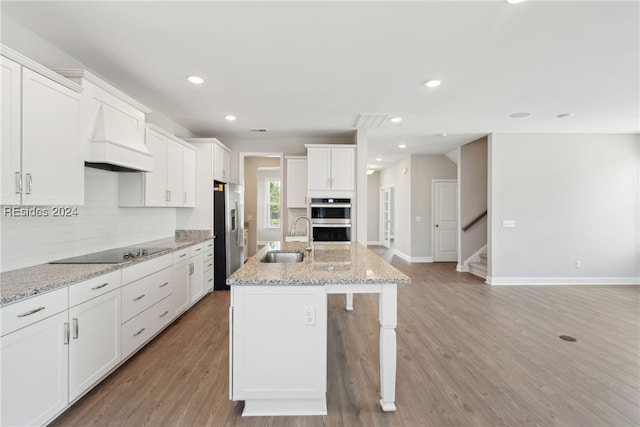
{"points": [[309, 246]]}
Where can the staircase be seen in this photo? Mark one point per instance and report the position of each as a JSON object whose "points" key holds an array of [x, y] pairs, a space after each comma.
{"points": [[479, 268]]}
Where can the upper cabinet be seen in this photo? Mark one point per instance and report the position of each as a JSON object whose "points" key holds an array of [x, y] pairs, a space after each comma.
{"points": [[173, 180], [330, 168], [296, 182], [41, 153], [221, 163]]}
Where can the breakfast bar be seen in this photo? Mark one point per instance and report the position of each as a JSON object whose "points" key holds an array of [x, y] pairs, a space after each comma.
{"points": [[278, 324]]}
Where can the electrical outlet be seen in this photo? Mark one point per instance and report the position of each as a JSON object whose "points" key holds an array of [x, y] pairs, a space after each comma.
{"points": [[418, 219], [508, 223], [310, 315], [578, 263]]}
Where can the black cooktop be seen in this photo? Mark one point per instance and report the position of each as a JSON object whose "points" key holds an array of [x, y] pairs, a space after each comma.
{"points": [[112, 256]]}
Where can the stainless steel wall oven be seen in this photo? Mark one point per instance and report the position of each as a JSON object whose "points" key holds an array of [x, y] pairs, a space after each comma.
{"points": [[331, 219]]}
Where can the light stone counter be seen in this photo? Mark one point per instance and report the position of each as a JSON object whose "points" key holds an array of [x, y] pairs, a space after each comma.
{"points": [[351, 264], [18, 285]]}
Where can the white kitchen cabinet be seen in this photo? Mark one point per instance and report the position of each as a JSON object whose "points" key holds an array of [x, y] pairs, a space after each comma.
{"points": [[181, 274], [35, 364], [278, 352], [40, 122], [94, 347], [296, 182], [172, 182], [330, 168], [196, 285], [221, 163]]}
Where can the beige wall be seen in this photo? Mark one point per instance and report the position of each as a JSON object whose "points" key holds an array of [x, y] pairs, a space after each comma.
{"points": [[373, 207], [395, 175], [251, 165], [473, 196]]}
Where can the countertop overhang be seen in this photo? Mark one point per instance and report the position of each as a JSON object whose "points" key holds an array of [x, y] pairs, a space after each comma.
{"points": [[346, 264]]}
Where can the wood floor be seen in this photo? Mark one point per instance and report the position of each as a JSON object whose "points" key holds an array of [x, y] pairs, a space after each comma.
{"points": [[469, 354]]}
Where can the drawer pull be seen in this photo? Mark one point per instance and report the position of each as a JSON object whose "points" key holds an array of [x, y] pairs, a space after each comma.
{"points": [[139, 332], [75, 328], [139, 298], [164, 314], [67, 332], [100, 286], [210, 280], [164, 284], [30, 312], [182, 256], [209, 265], [211, 254], [199, 249]]}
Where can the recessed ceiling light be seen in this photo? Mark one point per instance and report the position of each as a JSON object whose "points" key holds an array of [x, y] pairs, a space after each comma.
{"points": [[519, 115], [370, 171], [565, 115], [396, 119], [230, 118], [402, 146], [195, 80], [515, 1], [432, 83], [441, 134], [378, 159]]}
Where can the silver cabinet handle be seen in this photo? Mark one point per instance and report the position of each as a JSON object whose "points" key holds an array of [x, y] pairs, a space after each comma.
{"points": [[164, 314], [76, 330], [169, 191], [139, 298], [210, 280], [100, 286], [29, 183], [30, 312], [199, 249], [164, 284], [185, 197], [139, 332], [67, 332], [191, 269], [18, 183], [182, 256], [209, 265]]}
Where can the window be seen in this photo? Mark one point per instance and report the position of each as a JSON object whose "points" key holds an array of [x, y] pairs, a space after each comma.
{"points": [[272, 194]]}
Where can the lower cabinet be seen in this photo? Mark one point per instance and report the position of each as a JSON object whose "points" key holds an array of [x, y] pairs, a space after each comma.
{"points": [[196, 287], [141, 328], [94, 345], [35, 364], [181, 275]]}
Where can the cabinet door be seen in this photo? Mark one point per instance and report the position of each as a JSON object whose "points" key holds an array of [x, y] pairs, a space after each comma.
{"points": [[296, 183], [218, 162], [156, 181], [226, 166], [52, 163], [11, 131], [35, 363], [319, 168], [175, 173], [189, 175], [342, 169], [181, 275], [94, 347], [196, 285]]}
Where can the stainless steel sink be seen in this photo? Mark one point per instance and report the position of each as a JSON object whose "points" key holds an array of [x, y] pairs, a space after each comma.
{"points": [[283, 257]]}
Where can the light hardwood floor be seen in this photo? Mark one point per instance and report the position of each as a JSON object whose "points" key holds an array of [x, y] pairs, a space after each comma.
{"points": [[469, 354]]}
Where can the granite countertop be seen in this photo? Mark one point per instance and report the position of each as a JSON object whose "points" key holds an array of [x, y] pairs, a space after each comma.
{"points": [[327, 264], [17, 285]]}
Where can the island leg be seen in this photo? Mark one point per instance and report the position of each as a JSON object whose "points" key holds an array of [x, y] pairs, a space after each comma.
{"points": [[388, 314], [349, 302]]}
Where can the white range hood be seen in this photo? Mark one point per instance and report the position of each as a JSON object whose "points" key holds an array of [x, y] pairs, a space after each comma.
{"points": [[112, 124]]}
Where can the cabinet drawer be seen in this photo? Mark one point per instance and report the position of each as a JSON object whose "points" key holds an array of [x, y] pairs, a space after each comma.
{"points": [[207, 260], [208, 245], [196, 249], [208, 280], [142, 294], [84, 291], [138, 330], [24, 313], [138, 271], [181, 255]]}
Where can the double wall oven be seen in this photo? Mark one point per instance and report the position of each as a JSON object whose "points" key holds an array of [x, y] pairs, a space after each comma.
{"points": [[331, 219]]}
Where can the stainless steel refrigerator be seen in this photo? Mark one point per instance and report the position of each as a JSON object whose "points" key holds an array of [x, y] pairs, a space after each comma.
{"points": [[228, 229]]}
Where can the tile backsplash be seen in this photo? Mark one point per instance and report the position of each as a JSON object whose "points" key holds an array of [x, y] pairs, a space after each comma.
{"points": [[99, 225]]}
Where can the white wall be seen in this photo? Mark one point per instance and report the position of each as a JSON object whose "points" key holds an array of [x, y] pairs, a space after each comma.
{"points": [[573, 197], [100, 225], [373, 208]]}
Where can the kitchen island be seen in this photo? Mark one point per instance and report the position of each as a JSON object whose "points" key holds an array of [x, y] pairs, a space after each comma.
{"points": [[278, 325]]}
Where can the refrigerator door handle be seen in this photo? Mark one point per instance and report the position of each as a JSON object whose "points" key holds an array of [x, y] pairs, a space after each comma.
{"points": [[239, 237]]}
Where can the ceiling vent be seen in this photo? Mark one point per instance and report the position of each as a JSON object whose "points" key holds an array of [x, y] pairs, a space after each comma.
{"points": [[370, 121], [257, 130]]}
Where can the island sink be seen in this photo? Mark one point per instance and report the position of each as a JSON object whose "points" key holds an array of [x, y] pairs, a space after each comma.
{"points": [[283, 257]]}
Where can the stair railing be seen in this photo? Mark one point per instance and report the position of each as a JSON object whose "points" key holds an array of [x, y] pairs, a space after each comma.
{"points": [[472, 222]]}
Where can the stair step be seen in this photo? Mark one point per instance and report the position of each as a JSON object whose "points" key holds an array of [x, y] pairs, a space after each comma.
{"points": [[479, 269], [483, 258]]}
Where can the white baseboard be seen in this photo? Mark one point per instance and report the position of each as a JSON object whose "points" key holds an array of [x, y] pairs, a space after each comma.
{"points": [[462, 268], [375, 243], [474, 258], [562, 280], [412, 259]]}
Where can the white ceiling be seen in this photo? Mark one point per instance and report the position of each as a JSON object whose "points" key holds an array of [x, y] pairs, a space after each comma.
{"points": [[309, 68]]}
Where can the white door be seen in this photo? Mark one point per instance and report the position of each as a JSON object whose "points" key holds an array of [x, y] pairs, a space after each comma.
{"points": [[445, 231], [385, 218]]}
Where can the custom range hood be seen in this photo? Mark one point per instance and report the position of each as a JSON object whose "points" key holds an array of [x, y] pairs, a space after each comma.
{"points": [[111, 124]]}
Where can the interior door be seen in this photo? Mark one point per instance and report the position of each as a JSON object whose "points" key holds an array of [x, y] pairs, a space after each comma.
{"points": [[445, 221], [385, 201]]}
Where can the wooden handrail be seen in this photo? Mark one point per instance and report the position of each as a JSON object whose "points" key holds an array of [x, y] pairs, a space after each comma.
{"points": [[476, 219]]}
